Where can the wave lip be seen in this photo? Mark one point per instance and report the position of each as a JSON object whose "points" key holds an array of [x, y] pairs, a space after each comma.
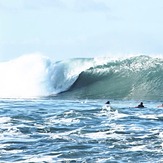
{"points": [[137, 77]]}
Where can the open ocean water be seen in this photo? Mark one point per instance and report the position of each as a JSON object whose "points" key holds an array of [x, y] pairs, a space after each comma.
{"points": [[52, 130]]}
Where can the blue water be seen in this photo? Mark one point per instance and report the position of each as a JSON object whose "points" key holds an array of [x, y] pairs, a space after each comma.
{"points": [[56, 130], [53, 111]]}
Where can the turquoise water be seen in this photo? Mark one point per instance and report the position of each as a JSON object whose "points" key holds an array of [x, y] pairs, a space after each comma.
{"points": [[53, 130]]}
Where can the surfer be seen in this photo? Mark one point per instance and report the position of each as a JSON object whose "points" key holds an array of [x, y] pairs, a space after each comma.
{"points": [[108, 103], [108, 107], [140, 105]]}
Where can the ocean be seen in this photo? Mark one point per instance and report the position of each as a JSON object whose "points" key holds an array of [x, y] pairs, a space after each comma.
{"points": [[55, 111]]}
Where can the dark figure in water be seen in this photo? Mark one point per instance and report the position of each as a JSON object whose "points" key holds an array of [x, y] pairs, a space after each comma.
{"points": [[140, 105], [108, 107], [108, 102]]}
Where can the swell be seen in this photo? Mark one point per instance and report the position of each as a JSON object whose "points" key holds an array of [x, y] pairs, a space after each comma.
{"points": [[31, 76], [133, 78]]}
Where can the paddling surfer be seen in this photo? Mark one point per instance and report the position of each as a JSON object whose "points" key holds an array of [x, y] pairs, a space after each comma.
{"points": [[107, 103], [108, 107], [140, 105]]}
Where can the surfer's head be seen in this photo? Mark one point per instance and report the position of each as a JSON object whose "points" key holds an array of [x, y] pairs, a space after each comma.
{"points": [[108, 102]]}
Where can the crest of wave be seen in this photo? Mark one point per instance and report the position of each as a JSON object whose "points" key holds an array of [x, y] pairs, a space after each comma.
{"points": [[35, 75]]}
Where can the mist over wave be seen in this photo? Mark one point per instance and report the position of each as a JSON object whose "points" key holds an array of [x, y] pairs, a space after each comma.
{"points": [[36, 75], [138, 77]]}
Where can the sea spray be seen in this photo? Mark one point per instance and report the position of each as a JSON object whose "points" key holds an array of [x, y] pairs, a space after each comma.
{"points": [[35, 75], [23, 77]]}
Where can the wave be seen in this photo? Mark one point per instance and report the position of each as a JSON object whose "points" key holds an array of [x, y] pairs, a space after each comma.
{"points": [[138, 77]]}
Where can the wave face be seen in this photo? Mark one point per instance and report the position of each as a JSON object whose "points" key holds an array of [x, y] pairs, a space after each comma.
{"points": [[139, 77]]}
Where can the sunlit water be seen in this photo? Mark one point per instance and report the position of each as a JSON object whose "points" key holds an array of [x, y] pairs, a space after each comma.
{"points": [[50, 130]]}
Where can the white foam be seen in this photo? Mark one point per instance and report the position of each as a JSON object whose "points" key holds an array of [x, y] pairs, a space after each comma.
{"points": [[138, 148], [39, 158], [36, 75], [65, 121], [4, 119], [22, 77]]}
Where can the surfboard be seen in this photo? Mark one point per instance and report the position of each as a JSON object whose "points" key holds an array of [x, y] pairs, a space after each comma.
{"points": [[108, 108]]}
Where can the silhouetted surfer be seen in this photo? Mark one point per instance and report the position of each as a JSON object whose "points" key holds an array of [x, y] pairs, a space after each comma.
{"points": [[108, 103], [108, 107], [140, 105]]}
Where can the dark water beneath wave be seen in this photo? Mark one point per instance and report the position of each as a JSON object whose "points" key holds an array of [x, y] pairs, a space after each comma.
{"points": [[50, 130]]}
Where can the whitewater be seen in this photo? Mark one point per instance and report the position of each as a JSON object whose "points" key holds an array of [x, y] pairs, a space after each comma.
{"points": [[82, 131], [37, 76], [30, 76]]}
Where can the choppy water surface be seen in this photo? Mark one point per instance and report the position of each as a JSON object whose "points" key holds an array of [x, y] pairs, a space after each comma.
{"points": [[79, 131]]}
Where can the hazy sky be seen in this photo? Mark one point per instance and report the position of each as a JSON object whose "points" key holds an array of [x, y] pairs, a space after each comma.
{"points": [[80, 28]]}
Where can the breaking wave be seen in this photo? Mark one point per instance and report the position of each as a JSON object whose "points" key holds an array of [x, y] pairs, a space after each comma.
{"points": [[138, 77]]}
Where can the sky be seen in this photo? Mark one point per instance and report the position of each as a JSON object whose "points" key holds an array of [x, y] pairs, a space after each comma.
{"points": [[62, 29]]}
